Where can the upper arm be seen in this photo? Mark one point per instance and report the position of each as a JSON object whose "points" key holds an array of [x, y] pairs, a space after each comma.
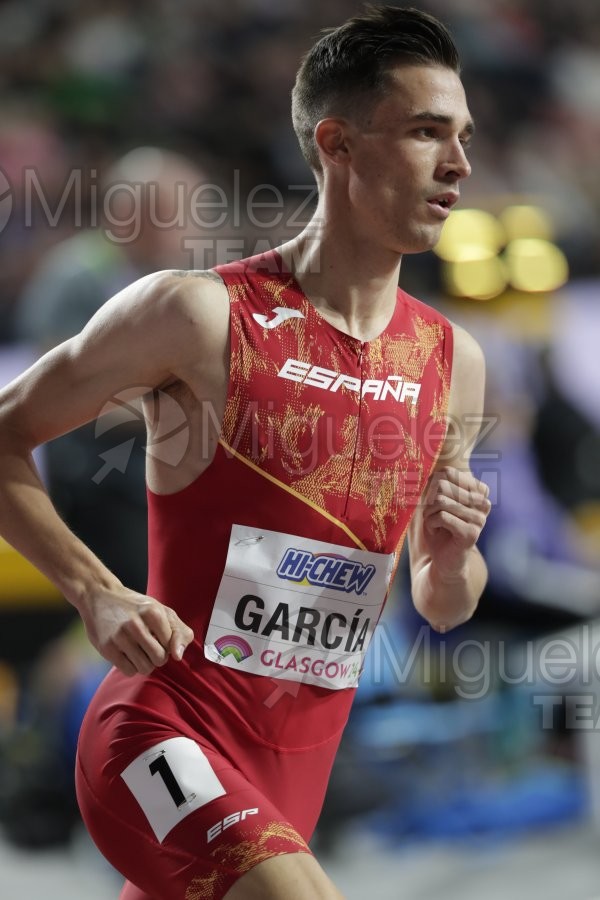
{"points": [[148, 334], [465, 405], [465, 410]]}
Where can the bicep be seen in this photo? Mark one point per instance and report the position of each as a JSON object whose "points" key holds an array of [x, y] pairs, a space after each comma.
{"points": [[465, 406], [465, 412]]}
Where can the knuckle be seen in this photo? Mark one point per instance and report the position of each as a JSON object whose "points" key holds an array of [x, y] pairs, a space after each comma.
{"points": [[160, 656], [134, 627], [473, 533], [445, 489], [143, 663], [108, 650], [150, 611]]}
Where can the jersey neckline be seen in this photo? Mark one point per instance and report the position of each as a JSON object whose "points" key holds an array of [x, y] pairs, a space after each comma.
{"points": [[284, 272]]}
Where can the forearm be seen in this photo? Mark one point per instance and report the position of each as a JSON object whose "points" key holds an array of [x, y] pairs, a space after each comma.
{"points": [[449, 599], [30, 523]]}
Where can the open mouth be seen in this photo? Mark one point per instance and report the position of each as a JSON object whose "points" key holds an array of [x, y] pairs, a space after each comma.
{"points": [[445, 201]]}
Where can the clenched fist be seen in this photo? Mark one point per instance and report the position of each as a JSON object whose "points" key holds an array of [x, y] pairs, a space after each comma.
{"points": [[132, 631], [455, 508]]}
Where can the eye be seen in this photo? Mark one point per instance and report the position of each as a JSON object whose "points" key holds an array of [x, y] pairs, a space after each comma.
{"points": [[426, 131]]}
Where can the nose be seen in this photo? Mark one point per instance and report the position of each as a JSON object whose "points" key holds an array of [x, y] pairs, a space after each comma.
{"points": [[456, 165]]}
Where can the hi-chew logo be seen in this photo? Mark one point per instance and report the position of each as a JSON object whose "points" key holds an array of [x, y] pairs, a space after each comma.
{"points": [[232, 645], [325, 570]]}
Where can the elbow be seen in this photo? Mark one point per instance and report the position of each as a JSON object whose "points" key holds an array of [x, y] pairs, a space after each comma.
{"points": [[442, 626], [12, 439], [443, 619]]}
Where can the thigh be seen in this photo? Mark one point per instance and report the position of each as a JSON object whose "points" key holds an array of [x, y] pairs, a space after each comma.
{"points": [[132, 892], [180, 823], [296, 876]]}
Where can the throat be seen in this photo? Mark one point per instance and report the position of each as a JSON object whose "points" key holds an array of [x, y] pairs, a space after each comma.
{"points": [[363, 325]]}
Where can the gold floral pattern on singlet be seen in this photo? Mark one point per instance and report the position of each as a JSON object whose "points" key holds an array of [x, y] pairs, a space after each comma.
{"points": [[274, 839], [322, 444]]}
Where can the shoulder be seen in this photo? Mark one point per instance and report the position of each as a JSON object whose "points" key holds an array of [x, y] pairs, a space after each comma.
{"points": [[467, 383], [167, 314], [173, 294], [189, 307], [468, 354], [422, 310]]}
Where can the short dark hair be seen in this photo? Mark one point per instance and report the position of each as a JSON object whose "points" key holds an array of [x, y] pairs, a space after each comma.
{"points": [[348, 65]]}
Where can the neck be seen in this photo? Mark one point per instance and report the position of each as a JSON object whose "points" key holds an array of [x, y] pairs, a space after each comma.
{"points": [[351, 281]]}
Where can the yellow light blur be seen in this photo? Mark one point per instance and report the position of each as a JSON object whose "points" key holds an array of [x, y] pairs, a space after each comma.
{"points": [[478, 279], [526, 222], [535, 265], [470, 234], [471, 253]]}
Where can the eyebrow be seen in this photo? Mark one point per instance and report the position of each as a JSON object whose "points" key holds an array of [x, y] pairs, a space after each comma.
{"points": [[442, 120]]}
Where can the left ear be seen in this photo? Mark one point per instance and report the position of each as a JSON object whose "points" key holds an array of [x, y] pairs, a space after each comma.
{"points": [[331, 138]]}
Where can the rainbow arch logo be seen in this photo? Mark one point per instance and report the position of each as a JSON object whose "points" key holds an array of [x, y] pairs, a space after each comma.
{"points": [[232, 645]]}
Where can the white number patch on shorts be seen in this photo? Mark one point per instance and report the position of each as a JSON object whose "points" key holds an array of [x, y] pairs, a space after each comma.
{"points": [[169, 781]]}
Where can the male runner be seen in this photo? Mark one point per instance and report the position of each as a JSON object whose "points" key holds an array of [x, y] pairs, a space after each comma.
{"points": [[317, 395]]}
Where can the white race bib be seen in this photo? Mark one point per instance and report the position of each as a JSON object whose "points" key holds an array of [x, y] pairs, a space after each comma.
{"points": [[298, 609]]}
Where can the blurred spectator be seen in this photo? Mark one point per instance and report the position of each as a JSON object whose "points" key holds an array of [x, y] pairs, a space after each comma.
{"points": [[30, 147], [539, 572]]}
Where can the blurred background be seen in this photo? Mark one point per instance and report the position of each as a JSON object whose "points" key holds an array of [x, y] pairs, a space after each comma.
{"points": [[141, 136]]}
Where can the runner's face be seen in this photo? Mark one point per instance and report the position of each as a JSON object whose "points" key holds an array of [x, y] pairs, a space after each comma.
{"points": [[408, 158]]}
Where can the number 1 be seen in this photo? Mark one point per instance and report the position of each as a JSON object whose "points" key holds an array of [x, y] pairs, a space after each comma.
{"points": [[163, 768]]}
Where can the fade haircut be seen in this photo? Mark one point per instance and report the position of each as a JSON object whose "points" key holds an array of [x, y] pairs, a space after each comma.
{"points": [[347, 70]]}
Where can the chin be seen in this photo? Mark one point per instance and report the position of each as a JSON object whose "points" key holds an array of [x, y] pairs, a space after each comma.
{"points": [[421, 242], [416, 246]]}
